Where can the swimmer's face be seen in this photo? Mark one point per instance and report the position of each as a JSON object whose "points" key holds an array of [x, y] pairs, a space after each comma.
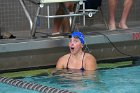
{"points": [[75, 45]]}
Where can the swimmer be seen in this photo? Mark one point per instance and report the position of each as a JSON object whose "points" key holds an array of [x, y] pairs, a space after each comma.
{"points": [[77, 58]]}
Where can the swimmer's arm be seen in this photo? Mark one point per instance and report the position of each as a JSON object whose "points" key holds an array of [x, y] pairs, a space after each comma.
{"points": [[90, 63], [60, 63]]}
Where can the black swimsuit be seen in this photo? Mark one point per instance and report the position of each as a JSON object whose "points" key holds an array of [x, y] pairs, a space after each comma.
{"points": [[82, 68]]}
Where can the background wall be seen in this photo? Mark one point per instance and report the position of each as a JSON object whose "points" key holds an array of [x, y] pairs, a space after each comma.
{"points": [[12, 17]]}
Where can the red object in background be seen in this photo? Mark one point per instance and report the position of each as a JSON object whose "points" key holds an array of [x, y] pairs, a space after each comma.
{"points": [[136, 36]]}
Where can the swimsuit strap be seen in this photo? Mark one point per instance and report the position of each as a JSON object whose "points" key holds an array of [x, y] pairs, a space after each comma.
{"points": [[82, 68], [83, 61], [68, 62]]}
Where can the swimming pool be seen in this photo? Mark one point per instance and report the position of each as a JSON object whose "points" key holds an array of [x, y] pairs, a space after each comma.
{"points": [[117, 80], [4, 88]]}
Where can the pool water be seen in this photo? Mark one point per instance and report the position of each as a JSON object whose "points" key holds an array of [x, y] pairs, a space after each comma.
{"points": [[117, 80], [4, 88]]}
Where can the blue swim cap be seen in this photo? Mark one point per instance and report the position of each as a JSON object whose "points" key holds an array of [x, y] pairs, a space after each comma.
{"points": [[79, 35]]}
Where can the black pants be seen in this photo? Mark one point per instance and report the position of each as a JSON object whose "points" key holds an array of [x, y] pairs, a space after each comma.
{"points": [[92, 4]]}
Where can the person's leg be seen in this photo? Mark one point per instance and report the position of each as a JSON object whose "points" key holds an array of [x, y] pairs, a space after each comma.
{"points": [[66, 23], [58, 21], [62, 22], [126, 10], [112, 10]]}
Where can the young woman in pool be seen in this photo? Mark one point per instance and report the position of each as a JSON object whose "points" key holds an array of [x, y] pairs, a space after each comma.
{"points": [[77, 58]]}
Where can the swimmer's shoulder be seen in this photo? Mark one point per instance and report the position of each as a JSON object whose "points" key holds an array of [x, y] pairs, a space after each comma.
{"points": [[62, 61], [90, 62], [64, 58]]}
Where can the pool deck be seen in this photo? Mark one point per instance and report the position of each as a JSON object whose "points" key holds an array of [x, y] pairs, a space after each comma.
{"points": [[24, 52]]}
